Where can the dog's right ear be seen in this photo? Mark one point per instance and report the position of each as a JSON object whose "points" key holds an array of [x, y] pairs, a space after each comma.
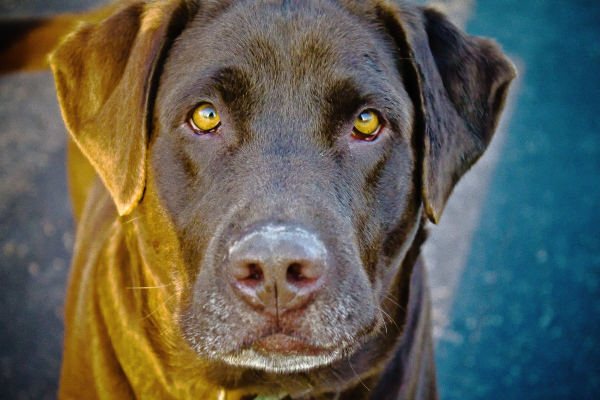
{"points": [[106, 75]]}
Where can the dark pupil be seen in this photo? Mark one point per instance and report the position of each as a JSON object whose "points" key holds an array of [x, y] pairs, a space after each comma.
{"points": [[364, 117], [209, 113]]}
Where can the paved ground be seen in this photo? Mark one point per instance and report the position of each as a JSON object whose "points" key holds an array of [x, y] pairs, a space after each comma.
{"points": [[515, 262], [525, 321]]}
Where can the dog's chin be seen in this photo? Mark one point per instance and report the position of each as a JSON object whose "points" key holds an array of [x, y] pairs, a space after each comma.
{"points": [[279, 353], [281, 363]]}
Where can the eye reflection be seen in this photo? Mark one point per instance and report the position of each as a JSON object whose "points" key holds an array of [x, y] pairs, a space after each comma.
{"points": [[205, 118], [366, 126]]}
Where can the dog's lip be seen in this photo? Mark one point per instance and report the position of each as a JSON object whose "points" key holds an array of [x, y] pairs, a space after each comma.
{"points": [[281, 343]]}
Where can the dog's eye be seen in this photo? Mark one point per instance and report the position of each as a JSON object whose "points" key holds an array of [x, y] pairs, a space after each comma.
{"points": [[366, 126], [205, 118]]}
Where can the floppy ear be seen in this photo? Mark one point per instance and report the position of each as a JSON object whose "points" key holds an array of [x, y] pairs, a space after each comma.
{"points": [[459, 84], [106, 76]]}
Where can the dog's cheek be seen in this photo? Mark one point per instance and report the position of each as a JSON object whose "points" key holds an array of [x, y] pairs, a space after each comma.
{"points": [[386, 226], [181, 168], [380, 179], [169, 173], [347, 315], [398, 201], [212, 325]]}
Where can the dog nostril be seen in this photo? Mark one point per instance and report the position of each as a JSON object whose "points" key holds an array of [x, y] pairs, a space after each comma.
{"points": [[250, 275], [255, 273], [294, 273]]}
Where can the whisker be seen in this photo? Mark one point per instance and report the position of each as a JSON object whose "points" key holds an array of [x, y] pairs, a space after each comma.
{"points": [[259, 379], [391, 319], [149, 287], [390, 298], [156, 309], [165, 331], [131, 220], [355, 374], [383, 317], [335, 373]]}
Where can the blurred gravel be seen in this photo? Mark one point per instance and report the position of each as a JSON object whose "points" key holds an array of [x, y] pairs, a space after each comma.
{"points": [[36, 225], [36, 236]]}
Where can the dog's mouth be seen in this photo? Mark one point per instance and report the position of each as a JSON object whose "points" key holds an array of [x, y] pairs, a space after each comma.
{"points": [[277, 350], [283, 353], [280, 353], [282, 344]]}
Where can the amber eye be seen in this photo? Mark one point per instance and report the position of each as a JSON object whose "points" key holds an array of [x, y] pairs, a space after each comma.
{"points": [[366, 126], [205, 118]]}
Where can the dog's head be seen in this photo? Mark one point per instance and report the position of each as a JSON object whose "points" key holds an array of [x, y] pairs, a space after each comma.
{"points": [[277, 156]]}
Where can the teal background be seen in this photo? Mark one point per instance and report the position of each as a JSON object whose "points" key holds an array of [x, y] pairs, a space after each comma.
{"points": [[528, 304]]}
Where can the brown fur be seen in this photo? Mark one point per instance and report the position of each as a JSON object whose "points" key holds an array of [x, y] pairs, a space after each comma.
{"points": [[149, 312]]}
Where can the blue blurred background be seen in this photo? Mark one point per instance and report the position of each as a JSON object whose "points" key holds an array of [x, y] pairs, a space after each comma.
{"points": [[528, 304], [516, 293]]}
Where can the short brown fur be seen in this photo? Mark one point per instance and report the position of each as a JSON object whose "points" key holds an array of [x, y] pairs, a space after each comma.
{"points": [[158, 206]]}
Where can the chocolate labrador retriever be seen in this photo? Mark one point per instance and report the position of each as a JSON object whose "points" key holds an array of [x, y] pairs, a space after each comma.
{"points": [[264, 169]]}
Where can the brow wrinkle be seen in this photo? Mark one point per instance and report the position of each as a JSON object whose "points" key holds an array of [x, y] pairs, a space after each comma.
{"points": [[342, 100]]}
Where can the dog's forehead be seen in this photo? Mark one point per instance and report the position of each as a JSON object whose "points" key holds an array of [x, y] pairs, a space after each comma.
{"points": [[294, 41]]}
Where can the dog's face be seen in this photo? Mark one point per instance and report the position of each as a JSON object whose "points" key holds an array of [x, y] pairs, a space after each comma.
{"points": [[289, 218], [275, 157]]}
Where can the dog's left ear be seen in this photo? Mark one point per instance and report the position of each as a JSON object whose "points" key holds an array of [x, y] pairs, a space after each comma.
{"points": [[458, 83], [106, 75]]}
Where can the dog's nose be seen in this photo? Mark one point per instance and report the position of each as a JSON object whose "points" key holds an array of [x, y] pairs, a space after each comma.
{"points": [[277, 268]]}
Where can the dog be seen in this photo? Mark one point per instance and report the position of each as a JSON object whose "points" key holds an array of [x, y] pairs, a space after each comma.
{"points": [[251, 180]]}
